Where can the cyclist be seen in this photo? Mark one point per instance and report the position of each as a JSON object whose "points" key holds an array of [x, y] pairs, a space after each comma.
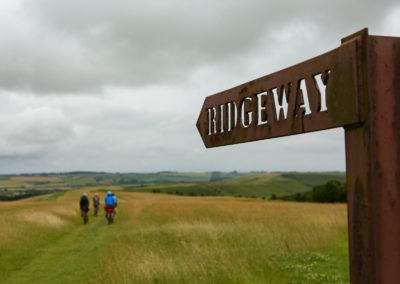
{"points": [[84, 205], [109, 204], [96, 203]]}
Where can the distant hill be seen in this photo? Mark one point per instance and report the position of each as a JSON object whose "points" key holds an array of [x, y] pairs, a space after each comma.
{"points": [[250, 185], [192, 184], [18, 186], [80, 179]]}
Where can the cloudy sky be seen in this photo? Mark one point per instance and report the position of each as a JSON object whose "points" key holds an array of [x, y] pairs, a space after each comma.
{"points": [[118, 85]]}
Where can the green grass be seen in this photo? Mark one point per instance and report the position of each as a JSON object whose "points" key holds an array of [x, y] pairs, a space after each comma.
{"points": [[254, 185], [173, 239], [55, 196], [313, 179]]}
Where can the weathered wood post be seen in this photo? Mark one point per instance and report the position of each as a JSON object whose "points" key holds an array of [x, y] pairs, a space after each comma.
{"points": [[373, 164], [356, 86]]}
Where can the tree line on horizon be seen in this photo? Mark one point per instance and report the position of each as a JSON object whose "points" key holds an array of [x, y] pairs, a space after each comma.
{"points": [[333, 191]]}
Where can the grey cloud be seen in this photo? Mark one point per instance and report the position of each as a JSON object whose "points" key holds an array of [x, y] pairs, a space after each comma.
{"points": [[75, 46], [134, 76], [33, 132], [41, 125]]}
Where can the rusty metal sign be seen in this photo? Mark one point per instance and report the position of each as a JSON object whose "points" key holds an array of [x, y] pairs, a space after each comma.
{"points": [[356, 86], [317, 94]]}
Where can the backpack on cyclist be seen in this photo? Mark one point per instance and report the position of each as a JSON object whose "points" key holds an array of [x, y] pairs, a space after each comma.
{"points": [[84, 203], [109, 201]]}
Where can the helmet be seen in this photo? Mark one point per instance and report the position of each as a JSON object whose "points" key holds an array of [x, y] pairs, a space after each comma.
{"points": [[85, 194], [109, 193], [96, 194]]}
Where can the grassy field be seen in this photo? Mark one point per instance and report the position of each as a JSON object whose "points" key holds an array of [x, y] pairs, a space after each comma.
{"points": [[260, 185], [83, 179], [160, 238], [250, 185]]}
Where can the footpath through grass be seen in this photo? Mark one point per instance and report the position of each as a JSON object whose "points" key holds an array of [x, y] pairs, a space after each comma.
{"points": [[172, 239], [46, 242]]}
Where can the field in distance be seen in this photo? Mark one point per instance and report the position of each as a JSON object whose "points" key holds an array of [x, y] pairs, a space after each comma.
{"points": [[160, 238], [72, 180], [261, 185]]}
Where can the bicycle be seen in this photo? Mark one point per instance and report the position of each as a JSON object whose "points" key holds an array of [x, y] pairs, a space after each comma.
{"points": [[110, 214], [85, 215]]}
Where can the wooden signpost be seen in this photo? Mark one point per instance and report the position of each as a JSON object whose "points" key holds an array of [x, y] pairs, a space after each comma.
{"points": [[355, 86]]}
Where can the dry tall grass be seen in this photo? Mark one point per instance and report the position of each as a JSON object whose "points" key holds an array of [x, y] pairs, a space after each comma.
{"points": [[173, 239], [187, 239]]}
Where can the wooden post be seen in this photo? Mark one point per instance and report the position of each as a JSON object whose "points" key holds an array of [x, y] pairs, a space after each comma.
{"points": [[373, 164]]}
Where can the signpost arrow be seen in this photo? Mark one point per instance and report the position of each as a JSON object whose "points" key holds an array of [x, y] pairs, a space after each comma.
{"points": [[357, 86], [317, 94]]}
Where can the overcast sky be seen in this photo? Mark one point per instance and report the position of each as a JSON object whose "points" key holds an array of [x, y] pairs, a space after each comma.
{"points": [[118, 85]]}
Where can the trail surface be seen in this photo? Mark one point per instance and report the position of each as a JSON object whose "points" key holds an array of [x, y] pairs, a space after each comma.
{"points": [[74, 256]]}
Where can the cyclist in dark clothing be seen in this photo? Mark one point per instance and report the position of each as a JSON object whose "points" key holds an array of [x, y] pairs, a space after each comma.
{"points": [[84, 205]]}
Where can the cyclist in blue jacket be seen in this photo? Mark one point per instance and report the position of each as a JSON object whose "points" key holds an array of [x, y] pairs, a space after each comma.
{"points": [[109, 202]]}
